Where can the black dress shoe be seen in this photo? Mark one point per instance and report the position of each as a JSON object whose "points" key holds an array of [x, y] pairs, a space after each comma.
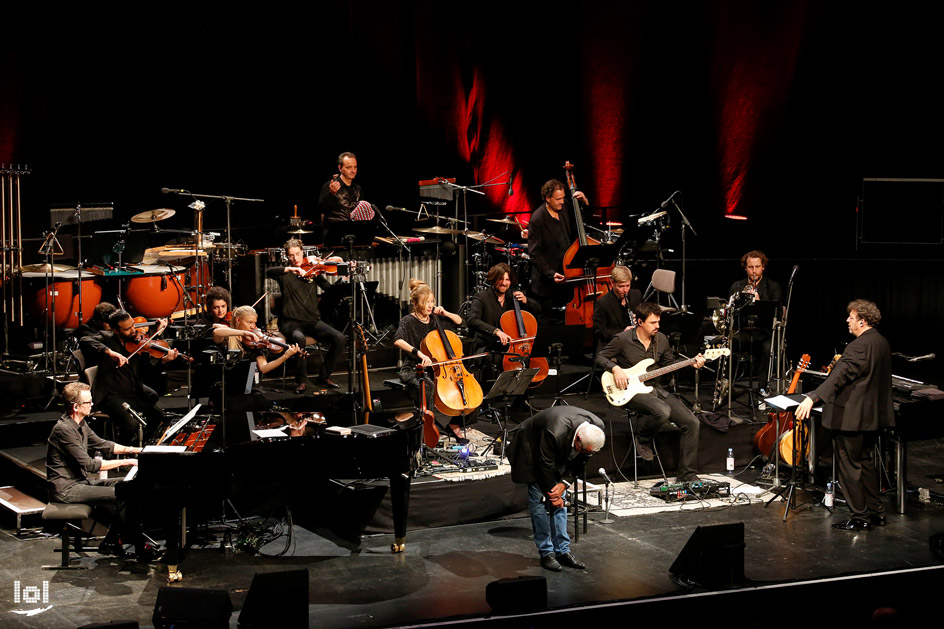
{"points": [[301, 387], [878, 519], [326, 383], [644, 450], [570, 561], [111, 548], [852, 524], [549, 562], [147, 553]]}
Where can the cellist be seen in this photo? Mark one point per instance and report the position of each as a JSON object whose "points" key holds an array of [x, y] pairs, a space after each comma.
{"points": [[486, 309], [551, 231], [412, 330]]}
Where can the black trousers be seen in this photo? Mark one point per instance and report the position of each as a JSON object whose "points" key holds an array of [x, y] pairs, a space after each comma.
{"points": [[296, 331], [857, 474], [659, 407]]}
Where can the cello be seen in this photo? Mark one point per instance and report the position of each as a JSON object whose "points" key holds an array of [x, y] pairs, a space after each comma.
{"points": [[457, 391], [522, 327], [579, 310]]}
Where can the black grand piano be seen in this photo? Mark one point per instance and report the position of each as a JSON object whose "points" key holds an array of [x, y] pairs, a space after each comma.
{"points": [[236, 464]]}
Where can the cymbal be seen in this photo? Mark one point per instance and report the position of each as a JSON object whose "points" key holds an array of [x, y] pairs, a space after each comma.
{"points": [[299, 231], [483, 236], [613, 224], [44, 268], [506, 221], [152, 215], [436, 230]]}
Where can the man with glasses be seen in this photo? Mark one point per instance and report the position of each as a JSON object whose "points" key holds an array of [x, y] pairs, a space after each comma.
{"points": [[69, 463]]}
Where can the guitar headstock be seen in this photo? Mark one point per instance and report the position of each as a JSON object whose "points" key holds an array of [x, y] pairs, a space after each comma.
{"points": [[716, 352], [804, 363]]}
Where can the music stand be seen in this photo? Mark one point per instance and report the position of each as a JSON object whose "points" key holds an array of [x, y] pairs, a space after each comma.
{"points": [[802, 431], [759, 315], [683, 329], [509, 384]]}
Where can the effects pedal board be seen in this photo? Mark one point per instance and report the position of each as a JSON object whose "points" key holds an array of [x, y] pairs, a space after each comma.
{"points": [[675, 492]]}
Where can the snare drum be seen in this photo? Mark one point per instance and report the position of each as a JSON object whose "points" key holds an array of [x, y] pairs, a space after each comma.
{"points": [[63, 294]]}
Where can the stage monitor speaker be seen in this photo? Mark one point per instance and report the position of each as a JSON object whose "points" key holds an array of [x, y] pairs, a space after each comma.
{"points": [[192, 607], [276, 599], [712, 557], [113, 624], [517, 594], [936, 543]]}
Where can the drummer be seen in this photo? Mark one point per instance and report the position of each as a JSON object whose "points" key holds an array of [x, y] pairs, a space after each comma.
{"points": [[412, 330]]}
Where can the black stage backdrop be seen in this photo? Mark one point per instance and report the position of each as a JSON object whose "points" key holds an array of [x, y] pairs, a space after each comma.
{"points": [[769, 111]]}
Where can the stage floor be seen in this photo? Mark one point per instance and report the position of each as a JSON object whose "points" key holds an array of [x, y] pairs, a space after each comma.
{"points": [[445, 570]]}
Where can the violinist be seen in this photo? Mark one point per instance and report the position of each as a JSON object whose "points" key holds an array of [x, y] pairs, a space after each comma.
{"points": [[98, 323], [551, 231], [756, 286], [119, 379], [248, 339], [218, 304], [412, 330], [300, 316], [216, 314], [487, 307]]}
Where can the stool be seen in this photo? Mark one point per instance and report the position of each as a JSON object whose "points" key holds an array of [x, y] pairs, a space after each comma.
{"points": [[633, 417], [396, 383], [70, 517]]}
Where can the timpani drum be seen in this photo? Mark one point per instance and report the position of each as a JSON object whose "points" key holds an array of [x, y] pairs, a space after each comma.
{"points": [[159, 291], [63, 296]]}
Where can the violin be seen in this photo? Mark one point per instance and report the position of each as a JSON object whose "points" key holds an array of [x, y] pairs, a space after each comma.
{"points": [[269, 341], [522, 327], [587, 289], [156, 348], [313, 266], [457, 390]]}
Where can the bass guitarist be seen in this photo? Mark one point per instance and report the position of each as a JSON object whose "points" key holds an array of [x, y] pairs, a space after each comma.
{"points": [[658, 407]]}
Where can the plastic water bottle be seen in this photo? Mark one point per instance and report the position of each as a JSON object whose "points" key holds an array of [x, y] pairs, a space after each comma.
{"points": [[729, 462], [828, 497]]}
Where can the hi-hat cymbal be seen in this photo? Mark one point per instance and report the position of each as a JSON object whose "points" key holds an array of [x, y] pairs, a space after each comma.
{"points": [[44, 268], [436, 230], [152, 216], [483, 236], [506, 221]]}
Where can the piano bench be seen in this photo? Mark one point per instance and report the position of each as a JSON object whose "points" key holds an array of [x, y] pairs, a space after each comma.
{"points": [[69, 517], [396, 383]]}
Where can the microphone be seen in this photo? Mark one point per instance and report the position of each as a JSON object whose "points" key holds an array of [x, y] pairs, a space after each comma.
{"points": [[666, 202], [392, 208], [511, 181], [915, 359], [794, 272], [128, 408], [173, 191], [602, 473]]}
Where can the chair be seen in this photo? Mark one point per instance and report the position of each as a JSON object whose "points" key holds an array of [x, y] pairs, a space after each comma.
{"points": [[663, 281], [90, 374], [633, 418], [69, 517]]}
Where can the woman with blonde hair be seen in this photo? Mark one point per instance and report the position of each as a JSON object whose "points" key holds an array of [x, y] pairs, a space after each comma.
{"points": [[412, 330]]}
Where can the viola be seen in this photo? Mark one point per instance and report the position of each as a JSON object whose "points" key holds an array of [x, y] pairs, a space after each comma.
{"points": [[586, 287], [457, 390], [522, 327]]}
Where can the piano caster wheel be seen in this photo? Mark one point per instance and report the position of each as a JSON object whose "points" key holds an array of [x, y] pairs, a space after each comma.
{"points": [[398, 546], [173, 576]]}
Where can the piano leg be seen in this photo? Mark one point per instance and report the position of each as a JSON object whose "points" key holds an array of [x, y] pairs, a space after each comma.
{"points": [[400, 503], [176, 523]]}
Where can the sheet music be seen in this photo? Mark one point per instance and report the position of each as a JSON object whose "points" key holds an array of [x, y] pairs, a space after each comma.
{"points": [[159, 449], [170, 432], [131, 474]]}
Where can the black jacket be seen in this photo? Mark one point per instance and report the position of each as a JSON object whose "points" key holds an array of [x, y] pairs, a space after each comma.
{"points": [[610, 317], [485, 316]]}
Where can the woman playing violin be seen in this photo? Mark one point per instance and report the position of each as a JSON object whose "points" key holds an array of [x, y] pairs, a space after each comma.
{"points": [[218, 304], [412, 330], [245, 337]]}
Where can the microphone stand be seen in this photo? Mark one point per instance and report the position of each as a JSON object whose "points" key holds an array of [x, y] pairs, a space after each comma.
{"points": [[400, 247], [688, 224]]}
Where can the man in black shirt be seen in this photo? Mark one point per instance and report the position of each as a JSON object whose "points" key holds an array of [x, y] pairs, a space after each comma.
{"points": [[69, 464], [550, 232], [658, 407], [488, 306], [615, 311], [754, 333], [300, 316], [340, 199], [118, 379]]}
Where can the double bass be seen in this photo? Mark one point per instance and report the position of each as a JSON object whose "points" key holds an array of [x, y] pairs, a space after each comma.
{"points": [[522, 327], [587, 289], [457, 391]]}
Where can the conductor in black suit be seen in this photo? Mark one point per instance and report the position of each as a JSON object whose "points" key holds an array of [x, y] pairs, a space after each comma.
{"points": [[857, 399], [615, 311], [544, 449]]}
